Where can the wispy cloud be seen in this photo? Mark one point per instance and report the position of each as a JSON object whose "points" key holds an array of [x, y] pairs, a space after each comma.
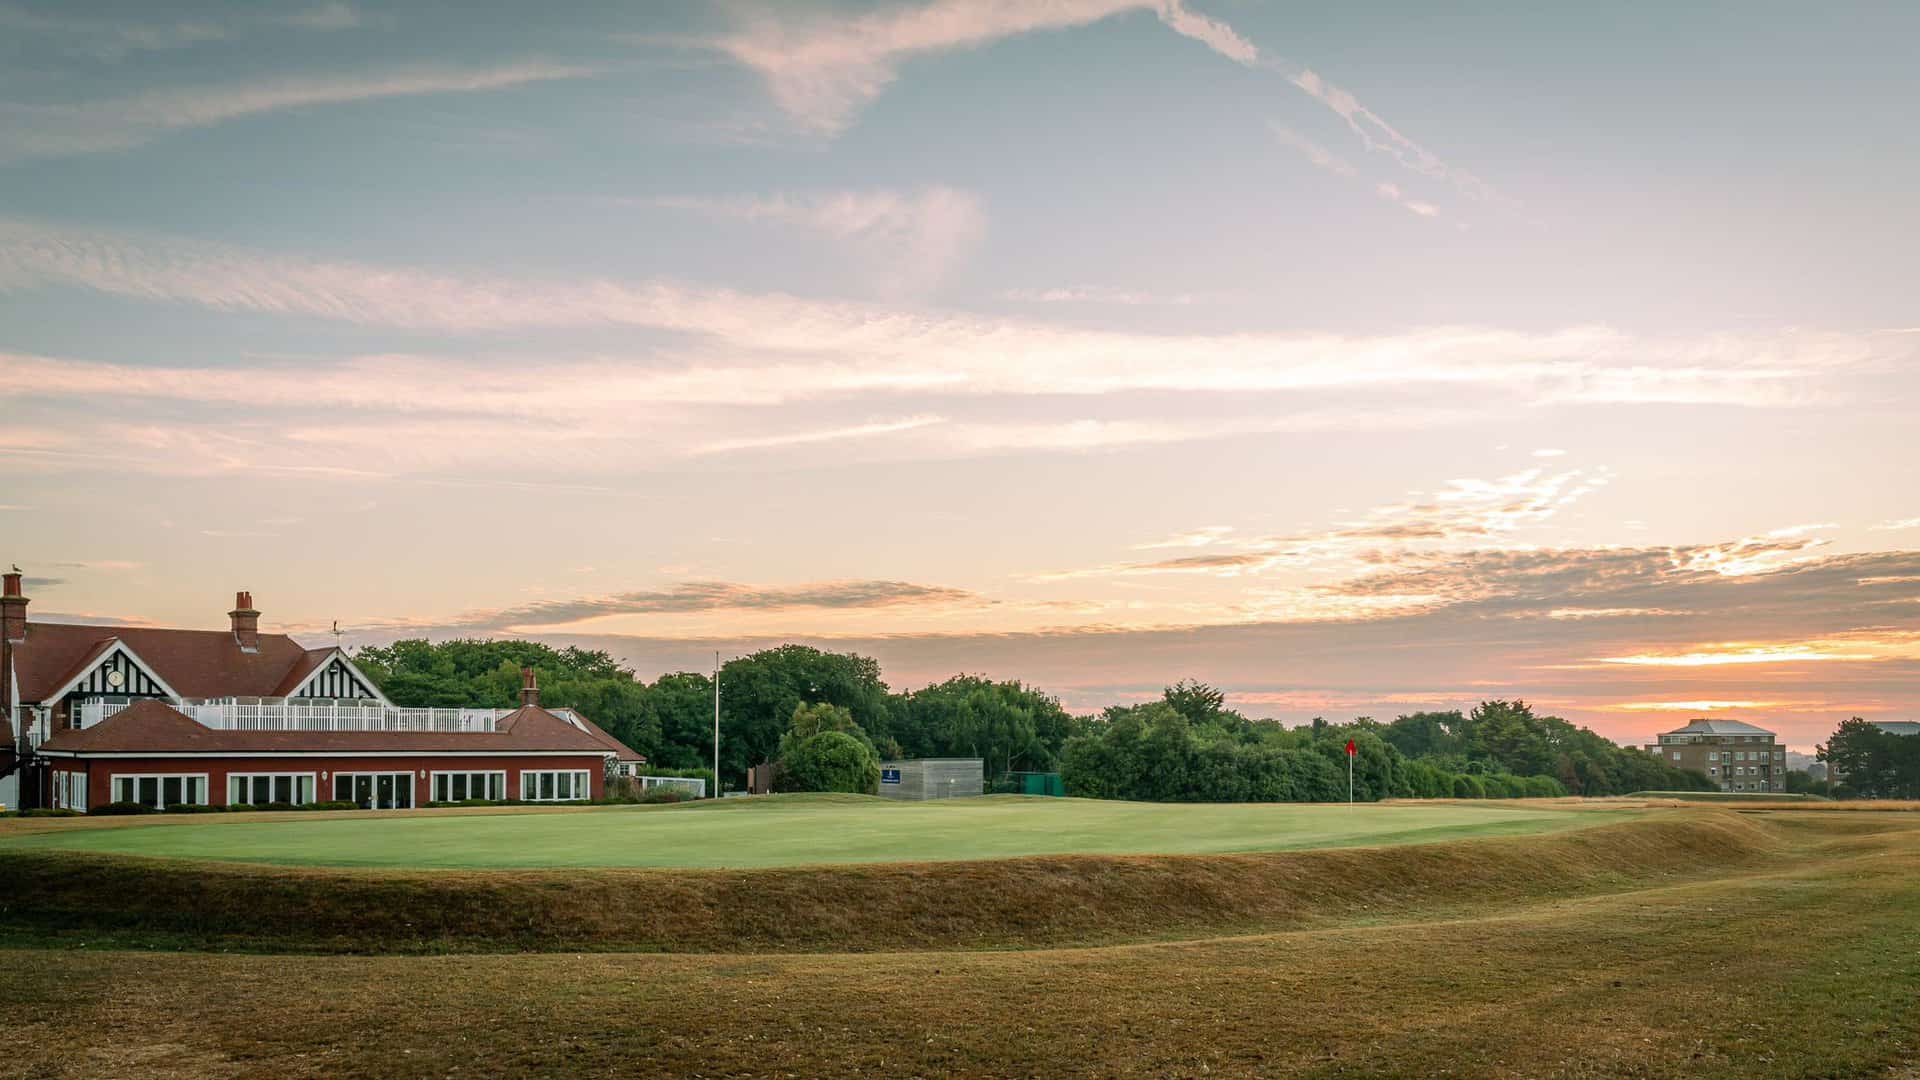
{"points": [[1378, 135], [41, 131], [113, 39], [1466, 511], [1319, 156], [823, 69], [1100, 294], [797, 347], [698, 596], [820, 435], [1903, 523], [918, 234]]}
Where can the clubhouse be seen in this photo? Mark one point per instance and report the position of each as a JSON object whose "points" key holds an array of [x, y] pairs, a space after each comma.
{"points": [[103, 714]]}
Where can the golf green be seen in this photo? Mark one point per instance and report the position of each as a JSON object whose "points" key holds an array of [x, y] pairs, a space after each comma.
{"points": [[796, 830]]}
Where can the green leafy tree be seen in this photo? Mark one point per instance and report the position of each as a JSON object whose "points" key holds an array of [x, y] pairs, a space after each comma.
{"points": [[830, 761]]}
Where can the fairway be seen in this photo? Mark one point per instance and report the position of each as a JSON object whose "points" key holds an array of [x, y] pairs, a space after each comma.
{"points": [[802, 830]]}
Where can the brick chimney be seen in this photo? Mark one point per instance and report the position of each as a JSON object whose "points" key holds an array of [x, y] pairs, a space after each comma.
{"points": [[529, 689], [13, 608], [246, 622]]}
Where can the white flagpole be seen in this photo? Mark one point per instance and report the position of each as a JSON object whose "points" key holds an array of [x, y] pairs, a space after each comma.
{"points": [[1349, 779], [716, 725]]}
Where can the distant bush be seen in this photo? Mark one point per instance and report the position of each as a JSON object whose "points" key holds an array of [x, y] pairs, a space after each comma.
{"points": [[114, 808], [332, 804], [191, 808], [48, 812]]}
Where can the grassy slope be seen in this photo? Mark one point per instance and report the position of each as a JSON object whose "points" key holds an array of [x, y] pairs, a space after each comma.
{"points": [[1804, 963], [790, 831], [1038, 900]]}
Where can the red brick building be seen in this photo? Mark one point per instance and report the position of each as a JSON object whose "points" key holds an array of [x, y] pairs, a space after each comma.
{"points": [[101, 714]]}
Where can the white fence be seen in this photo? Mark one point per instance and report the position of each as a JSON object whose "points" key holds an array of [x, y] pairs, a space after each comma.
{"points": [[691, 785], [296, 715]]}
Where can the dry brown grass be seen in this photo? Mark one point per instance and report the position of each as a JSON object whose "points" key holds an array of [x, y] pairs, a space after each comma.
{"points": [[1797, 960], [1012, 903]]}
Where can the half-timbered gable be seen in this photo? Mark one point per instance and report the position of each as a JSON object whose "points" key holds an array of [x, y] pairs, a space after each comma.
{"points": [[336, 678]]}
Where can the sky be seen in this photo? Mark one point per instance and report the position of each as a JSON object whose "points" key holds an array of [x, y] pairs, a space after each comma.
{"points": [[1358, 359]]}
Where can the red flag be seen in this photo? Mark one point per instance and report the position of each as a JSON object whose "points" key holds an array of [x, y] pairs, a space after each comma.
{"points": [[1351, 749]]}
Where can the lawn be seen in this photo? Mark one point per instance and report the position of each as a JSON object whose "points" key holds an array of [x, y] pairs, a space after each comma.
{"points": [[798, 830], [1796, 960]]}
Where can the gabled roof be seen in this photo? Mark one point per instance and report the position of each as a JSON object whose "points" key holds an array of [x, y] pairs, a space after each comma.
{"points": [[195, 663], [1718, 727], [154, 727], [531, 718]]}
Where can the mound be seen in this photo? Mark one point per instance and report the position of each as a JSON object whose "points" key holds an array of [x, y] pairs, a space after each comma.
{"points": [[1010, 903]]}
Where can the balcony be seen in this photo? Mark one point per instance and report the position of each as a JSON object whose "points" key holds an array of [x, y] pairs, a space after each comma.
{"points": [[281, 714]]}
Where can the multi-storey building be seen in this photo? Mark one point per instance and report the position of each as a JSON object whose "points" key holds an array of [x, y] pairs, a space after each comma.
{"points": [[91, 715], [1736, 756]]}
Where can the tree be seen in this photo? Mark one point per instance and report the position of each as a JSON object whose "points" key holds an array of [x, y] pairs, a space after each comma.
{"points": [[830, 761], [759, 693], [1866, 760]]}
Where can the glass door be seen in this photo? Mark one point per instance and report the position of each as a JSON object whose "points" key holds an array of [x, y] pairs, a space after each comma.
{"points": [[375, 791]]}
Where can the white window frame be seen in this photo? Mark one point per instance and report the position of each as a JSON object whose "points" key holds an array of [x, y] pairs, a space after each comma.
{"points": [[413, 801], [529, 784], [313, 782], [70, 789], [433, 783], [206, 786]]}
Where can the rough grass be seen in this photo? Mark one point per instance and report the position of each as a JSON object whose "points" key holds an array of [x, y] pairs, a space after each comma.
{"points": [[785, 831], [1777, 961], [1012, 903]]}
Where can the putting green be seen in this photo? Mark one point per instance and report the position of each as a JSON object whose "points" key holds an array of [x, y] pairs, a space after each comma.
{"points": [[798, 830]]}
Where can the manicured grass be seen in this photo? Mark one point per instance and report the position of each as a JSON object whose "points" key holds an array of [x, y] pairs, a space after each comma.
{"points": [[798, 830], [1801, 961]]}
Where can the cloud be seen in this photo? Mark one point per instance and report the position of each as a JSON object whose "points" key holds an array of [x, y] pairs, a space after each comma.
{"points": [[1319, 156], [1201, 537], [839, 434], [1903, 523], [1464, 511], [114, 39], [1099, 294], [799, 346], [824, 69], [919, 234], [699, 596], [1378, 135], [44, 131]]}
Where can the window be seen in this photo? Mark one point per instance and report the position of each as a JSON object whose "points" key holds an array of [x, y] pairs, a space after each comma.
{"points": [[262, 788], [555, 786], [1676, 755], [456, 786], [161, 790], [70, 790]]}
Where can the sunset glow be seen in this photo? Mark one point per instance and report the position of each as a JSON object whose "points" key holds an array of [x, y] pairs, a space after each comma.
{"points": [[1097, 344]]}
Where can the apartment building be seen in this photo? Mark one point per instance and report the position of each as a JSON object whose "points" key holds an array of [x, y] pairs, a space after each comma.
{"points": [[1734, 755]]}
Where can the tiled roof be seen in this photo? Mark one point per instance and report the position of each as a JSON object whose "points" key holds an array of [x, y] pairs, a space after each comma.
{"points": [[155, 727], [1718, 727], [196, 663], [306, 666], [534, 718]]}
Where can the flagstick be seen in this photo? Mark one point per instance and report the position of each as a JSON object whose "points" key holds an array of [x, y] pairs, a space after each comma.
{"points": [[1349, 779]]}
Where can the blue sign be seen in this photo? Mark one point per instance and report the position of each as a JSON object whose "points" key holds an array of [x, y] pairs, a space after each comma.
{"points": [[889, 776]]}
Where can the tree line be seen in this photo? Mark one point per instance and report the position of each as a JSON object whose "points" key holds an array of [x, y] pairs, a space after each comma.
{"points": [[1866, 761], [781, 705]]}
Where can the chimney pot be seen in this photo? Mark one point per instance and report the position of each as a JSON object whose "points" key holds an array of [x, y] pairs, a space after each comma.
{"points": [[246, 622], [529, 689], [13, 608]]}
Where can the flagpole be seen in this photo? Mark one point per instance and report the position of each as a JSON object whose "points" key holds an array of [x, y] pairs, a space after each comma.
{"points": [[1349, 778], [716, 725]]}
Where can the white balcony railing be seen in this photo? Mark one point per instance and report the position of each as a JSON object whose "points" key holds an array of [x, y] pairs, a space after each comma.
{"points": [[280, 714]]}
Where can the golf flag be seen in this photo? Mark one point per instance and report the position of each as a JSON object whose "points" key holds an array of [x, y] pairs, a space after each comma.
{"points": [[1351, 749]]}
